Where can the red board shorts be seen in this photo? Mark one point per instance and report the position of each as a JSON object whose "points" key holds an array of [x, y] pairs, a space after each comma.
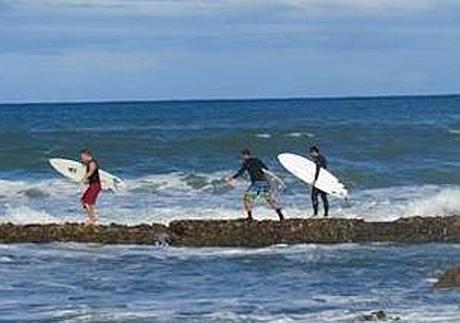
{"points": [[91, 194]]}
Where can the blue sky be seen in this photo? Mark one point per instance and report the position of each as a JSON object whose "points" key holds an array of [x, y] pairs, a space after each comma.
{"points": [[80, 50]]}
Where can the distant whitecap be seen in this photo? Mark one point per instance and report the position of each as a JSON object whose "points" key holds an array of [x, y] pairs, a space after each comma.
{"points": [[263, 135]]}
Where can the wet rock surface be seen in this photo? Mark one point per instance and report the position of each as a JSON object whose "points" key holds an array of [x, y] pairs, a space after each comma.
{"points": [[376, 316], [243, 233], [449, 279], [76, 232]]}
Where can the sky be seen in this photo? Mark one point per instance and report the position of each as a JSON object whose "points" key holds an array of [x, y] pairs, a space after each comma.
{"points": [[99, 50]]}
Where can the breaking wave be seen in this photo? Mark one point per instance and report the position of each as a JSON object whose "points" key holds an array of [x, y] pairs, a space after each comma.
{"points": [[163, 197]]}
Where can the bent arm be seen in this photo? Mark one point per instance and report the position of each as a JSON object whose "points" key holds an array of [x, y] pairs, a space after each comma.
{"points": [[318, 169], [240, 172], [321, 162]]}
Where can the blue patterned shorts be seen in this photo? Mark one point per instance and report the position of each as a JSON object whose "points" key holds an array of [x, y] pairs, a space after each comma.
{"points": [[258, 189]]}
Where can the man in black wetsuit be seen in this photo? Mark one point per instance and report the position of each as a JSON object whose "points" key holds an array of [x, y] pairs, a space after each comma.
{"points": [[320, 162], [259, 183]]}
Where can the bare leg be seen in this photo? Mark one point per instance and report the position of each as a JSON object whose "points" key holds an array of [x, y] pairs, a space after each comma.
{"points": [[93, 214], [248, 206], [86, 206], [275, 206], [91, 217]]}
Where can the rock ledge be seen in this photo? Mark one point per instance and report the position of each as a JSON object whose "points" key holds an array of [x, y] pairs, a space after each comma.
{"points": [[242, 233]]}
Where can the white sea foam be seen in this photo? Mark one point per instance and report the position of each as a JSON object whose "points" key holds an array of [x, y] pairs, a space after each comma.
{"points": [[395, 202], [305, 134], [454, 131], [177, 183], [300, 134], [263, 135], [5, 260], [443, 202], [26, 215], [164, 197], [20, 189]]}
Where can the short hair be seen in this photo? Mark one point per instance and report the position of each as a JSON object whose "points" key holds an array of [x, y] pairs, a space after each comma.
{"points": [[314, 149], [246, 152], [86, 151]]}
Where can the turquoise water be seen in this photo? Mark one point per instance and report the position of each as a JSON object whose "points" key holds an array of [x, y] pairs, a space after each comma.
{"points": [[398, 156]]}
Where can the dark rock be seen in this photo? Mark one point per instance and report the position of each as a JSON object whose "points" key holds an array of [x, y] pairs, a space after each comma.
{"points": [[242, 233], [449, 279], [112, 234], [377, 316]]}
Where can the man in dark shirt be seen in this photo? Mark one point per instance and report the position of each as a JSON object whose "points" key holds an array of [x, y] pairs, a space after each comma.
{"points": [[259, 183], [320, 162]]}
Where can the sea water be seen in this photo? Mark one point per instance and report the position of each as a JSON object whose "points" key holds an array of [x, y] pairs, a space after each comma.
{"points": [[399, 157]]}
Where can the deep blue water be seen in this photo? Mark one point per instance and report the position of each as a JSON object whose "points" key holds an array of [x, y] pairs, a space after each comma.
{"points": [[306, 283], [398, 156], [364, 138]]}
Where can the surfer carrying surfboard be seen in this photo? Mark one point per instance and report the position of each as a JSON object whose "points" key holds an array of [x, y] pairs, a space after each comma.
{"points": [[320, 162], [260, 185], [92, 179]]}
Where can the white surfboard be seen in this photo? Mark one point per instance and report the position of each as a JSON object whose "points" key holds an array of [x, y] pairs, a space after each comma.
{"points": [[75, 170], [304, 169]]}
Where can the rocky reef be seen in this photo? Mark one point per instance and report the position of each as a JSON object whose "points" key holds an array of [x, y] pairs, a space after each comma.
{"points": [[375, 316], [242, 233], [449, 279], [76, 232]]}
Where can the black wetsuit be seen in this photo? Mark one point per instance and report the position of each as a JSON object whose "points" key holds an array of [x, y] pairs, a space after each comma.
{"points": [[320, 162], [254, 166]]}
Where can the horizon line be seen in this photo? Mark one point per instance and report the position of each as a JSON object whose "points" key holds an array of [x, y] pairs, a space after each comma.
{"points": [[229, 99]]}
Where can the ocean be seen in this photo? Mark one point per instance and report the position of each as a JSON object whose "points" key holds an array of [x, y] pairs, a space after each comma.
{"points": [[399, 157]]}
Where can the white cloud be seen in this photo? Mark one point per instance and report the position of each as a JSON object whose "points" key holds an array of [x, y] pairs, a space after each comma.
{"points": [[196, 6], [80, 49], [365, 4]]}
